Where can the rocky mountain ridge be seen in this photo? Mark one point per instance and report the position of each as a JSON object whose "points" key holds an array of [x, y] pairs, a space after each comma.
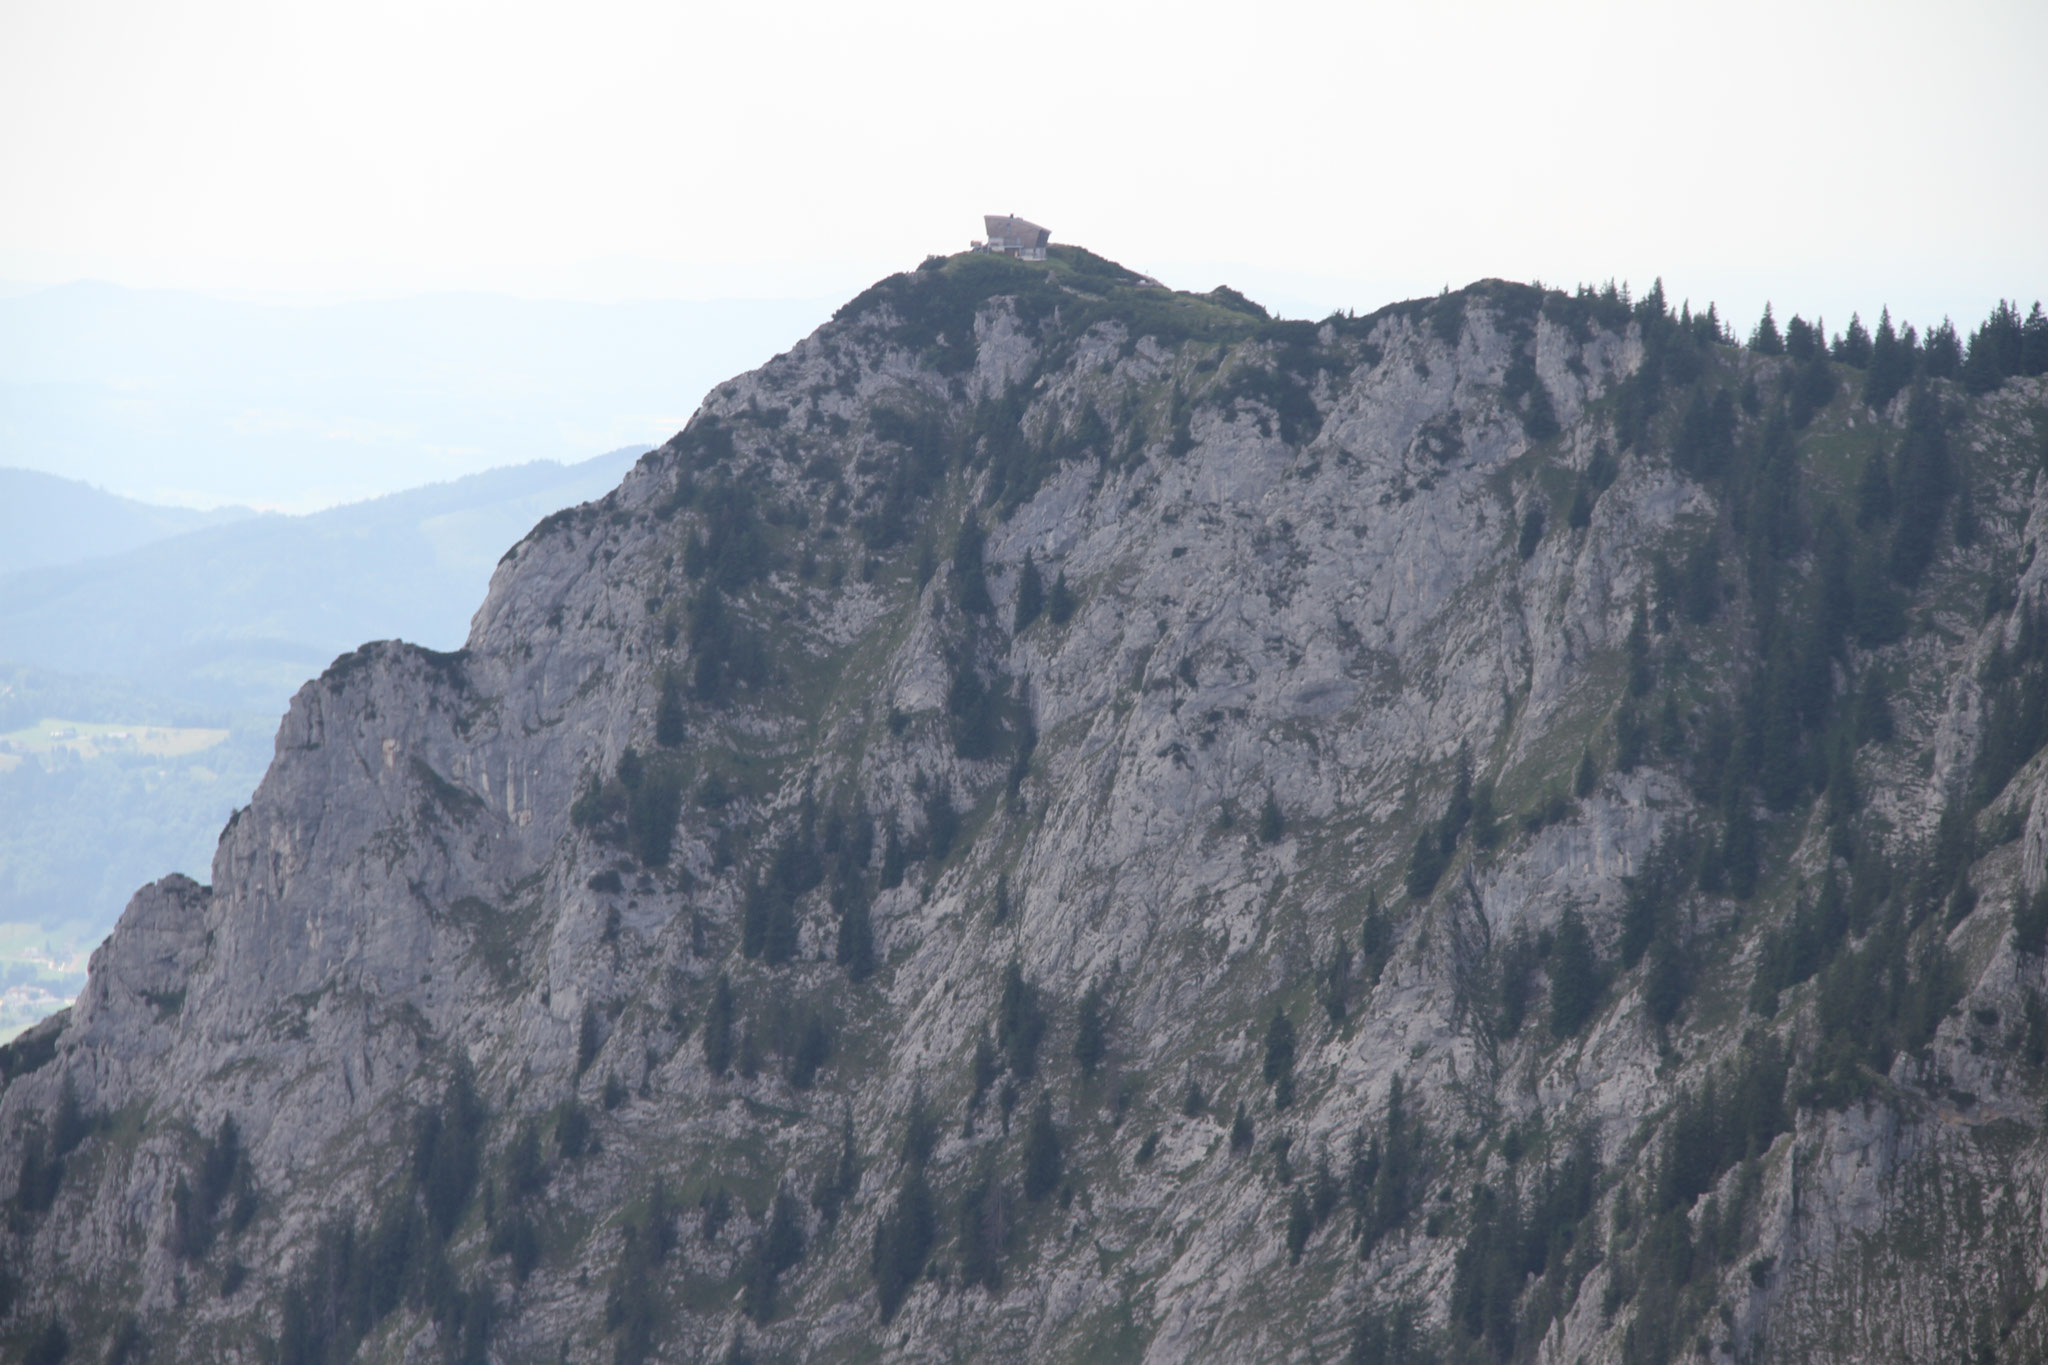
{"points": [[1064, 820]]}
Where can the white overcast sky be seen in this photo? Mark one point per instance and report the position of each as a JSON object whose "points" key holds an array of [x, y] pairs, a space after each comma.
{"points": [[1320, 155]]}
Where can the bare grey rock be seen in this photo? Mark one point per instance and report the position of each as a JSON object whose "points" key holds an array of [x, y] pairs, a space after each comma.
{"points": [[430, 883]]}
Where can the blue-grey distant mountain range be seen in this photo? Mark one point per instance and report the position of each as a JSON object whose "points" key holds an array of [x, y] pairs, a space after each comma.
{"points": [[237, 615], [206, 620], [180, 397], [46, 519], [127, 608]]}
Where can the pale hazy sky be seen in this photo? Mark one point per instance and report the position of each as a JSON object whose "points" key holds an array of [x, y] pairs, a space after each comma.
{"points": [[1829, 156]]}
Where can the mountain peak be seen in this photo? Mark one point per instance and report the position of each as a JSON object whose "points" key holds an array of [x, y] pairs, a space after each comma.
{"points": [[1159, 832]]}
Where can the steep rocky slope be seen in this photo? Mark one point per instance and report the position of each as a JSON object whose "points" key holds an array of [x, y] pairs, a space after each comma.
{"points": [[1063, 820]]}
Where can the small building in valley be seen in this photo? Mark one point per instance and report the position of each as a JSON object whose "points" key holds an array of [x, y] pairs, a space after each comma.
{"points": [[1010, 235]]}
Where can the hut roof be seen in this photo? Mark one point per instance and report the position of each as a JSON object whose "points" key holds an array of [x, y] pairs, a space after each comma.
{"points": [[1013, 231]]}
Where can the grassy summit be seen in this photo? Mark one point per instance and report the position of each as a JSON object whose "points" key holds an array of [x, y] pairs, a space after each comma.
{"points": [[936, 303]]}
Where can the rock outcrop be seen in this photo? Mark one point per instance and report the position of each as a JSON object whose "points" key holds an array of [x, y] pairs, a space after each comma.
{"points": [[1064, 820]]}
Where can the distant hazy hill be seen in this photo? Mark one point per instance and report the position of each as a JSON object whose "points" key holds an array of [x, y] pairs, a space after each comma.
{"points": [[215, 627], [47, 520], [178, 396], [238, 615]]}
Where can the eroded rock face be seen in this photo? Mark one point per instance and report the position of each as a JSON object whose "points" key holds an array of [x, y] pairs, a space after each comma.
{"points": [[758, 762]]}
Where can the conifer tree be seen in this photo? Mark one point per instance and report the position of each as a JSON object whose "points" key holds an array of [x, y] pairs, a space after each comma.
{"points": [[1485, 816], [525, 1172], [1700, 588], [1853, 346], [1458, 809], [1030, 595], [1670, 727], [1942, 356], [1272, 824], [1873, 711], [1574, 976], [1390, 1171], [895, 859], [1300, 1223], [749, 1063], [813, 1049], [845, 1180], [1425, 864], [2034, 342], [1532, 529], [855, 947], [1631, 738], [51, 1345], [572, 1131], [1705, 441], [1926, 481], [1279, 1064], [1891, 365], [445, 1166], [780, 1248], [718, 1020], [1781, 773], [1337, 982], [969, 575], [1640, 676], [976, 712], [941, 821], [1765, 339], [668, 714], [72, 1125], [1020, 1022], [2030, 922], [1813, 388], [1091, 1031], [1043, 1158], [1801, 338], [985, 1217], [1873, 492], [1996, 351], [1581, 514], [1602, 469], [984, 1070], [1739, 850], [903, 1242], [1375, 939], [1664, 982], [1061, 602]]}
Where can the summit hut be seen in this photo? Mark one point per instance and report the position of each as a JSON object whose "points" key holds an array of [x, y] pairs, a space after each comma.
{"points": [[1014, 236]]}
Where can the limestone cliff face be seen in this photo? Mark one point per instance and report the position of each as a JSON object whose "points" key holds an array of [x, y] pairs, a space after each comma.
{"points": [[839, 903]]}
